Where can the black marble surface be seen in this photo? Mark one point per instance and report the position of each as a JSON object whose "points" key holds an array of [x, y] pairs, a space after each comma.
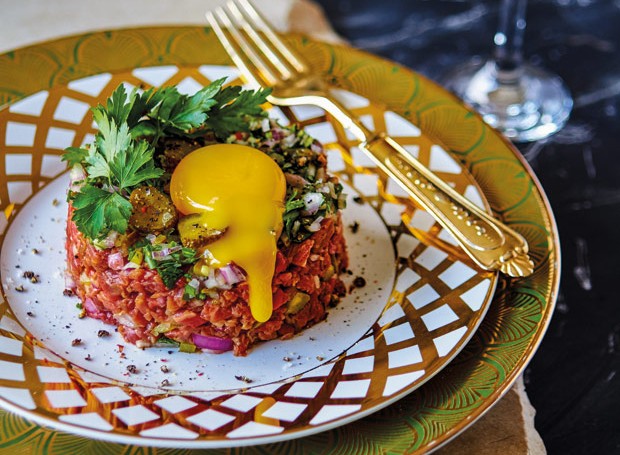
{"points": [[574, 379]]}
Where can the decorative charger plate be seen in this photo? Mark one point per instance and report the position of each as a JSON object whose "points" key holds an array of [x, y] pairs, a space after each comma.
{"points": [[422, 303]]}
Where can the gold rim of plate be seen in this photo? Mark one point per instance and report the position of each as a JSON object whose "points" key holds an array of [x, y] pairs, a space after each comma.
{"points": [[521, 309]]}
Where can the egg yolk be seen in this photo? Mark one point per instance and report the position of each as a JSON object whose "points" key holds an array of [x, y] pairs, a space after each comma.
{"points": [[239, 190]]}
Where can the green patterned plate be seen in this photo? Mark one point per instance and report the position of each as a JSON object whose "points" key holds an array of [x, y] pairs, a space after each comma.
{"points": [[426, 418]]}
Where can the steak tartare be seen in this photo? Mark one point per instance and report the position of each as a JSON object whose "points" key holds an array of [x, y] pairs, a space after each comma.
{"points": [[137, 262]]}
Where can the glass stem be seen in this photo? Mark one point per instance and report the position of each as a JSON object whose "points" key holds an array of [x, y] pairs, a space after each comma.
{"points": [[508, 53]]}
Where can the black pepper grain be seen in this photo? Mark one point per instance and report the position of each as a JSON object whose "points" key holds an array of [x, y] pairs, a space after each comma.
{"points": [[68, 293], [359, 282], [103, 333], [132, 369], [76, 342], [164, 369]]}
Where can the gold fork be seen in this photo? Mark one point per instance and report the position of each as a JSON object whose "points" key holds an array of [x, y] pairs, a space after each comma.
{"points": [[265, 60]]}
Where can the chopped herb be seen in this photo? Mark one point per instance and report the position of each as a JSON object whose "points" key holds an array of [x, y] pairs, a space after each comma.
{"points": [[298, 223], [171, 267]]}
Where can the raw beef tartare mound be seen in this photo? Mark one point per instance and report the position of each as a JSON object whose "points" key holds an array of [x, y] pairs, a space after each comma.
{"points": [[197, 221]]}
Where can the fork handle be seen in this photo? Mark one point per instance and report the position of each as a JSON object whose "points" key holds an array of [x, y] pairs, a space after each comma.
{"points": [[491, 244]]}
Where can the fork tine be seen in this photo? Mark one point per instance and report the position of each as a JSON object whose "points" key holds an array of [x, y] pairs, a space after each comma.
{"points": [[261, 24], [248, 61], [267, 49]]}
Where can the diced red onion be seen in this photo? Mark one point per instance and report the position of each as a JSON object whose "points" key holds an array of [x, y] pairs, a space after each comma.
{"points": [[151, 237], [316, 147], [211, 282], [277, 134], [231, 274], [116, 261], [296, 181], [165, 252], [69, 282], [90, 306], [110, 240], [289, 141], [213, 344], [269, 143], [312, 203], [316, 224], [194, 283]]}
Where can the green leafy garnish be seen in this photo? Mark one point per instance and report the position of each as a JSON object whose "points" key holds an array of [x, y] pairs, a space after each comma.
{"points": [[297, 222], [170, 268], [130, 126], [99, 211], [234, 106], [74, 155]]}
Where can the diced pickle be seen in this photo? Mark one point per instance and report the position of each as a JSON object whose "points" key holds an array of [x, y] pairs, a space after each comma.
{"points": [[174, 150], [296, 304], [153, 211], [195, 233]]}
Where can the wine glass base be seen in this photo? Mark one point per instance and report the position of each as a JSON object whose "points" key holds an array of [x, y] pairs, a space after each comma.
{"points": [[527, 104]]}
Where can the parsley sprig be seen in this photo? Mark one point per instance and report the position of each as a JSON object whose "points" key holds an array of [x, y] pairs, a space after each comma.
{"points": [[130, 126]]}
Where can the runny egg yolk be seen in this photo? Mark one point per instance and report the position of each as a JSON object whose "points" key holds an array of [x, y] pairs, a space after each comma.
{"points": [[240, 190]]}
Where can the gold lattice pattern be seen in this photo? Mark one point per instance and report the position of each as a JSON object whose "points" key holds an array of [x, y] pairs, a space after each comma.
{"points": [[437, 302]]}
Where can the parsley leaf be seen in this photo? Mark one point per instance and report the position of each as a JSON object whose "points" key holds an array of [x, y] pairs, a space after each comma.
{"points": [[98, 211], [134, 166], [74, 155], [169, 112], [232, 117]]}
